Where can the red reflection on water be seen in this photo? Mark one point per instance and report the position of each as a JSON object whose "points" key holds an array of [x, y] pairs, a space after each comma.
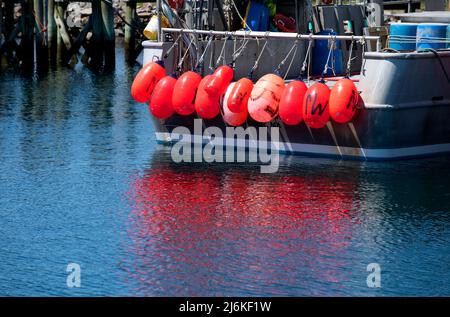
{"points": [[195, 230]]}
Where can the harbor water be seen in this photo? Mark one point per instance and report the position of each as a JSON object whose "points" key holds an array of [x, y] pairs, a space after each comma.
{"points": [[83, 181]]}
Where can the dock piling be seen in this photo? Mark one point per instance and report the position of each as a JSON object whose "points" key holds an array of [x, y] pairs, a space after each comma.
{"points": [[130, 36], [107, 14]]}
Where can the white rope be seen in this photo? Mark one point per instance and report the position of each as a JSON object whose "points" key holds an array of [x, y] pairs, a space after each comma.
{"points": [[294, 47], [350, 59], [200, 60], [222, 53], [255, 66], [307, 55], [175, 43], [326, 68], [290, 64], [184, 55]]}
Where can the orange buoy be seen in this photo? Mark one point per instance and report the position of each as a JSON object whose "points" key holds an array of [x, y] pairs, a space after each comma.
{"points": [[219, 81], [207, 106], [265, 98], [344, 99], [316, 112], [291, 103], [161, 103], [239, 95], [184, 92], [231, 117], [146, 80]]}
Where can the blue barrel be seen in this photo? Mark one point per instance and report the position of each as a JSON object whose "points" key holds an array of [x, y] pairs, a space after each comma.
{"points": [[320, 55], [402, 36], [448, 36], [431, 35]]}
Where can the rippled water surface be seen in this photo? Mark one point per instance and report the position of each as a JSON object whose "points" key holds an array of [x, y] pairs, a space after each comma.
{"points": [[82, 180]]}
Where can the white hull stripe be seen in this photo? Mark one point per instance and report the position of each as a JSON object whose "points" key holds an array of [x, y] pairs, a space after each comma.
{"points": [[330, 150]]}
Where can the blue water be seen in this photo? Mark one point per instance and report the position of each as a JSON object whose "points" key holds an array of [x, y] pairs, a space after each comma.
{"points": [[83, 181]]}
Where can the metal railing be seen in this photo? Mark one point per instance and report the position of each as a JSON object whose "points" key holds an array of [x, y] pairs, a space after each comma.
{"points": [[278, 35]]}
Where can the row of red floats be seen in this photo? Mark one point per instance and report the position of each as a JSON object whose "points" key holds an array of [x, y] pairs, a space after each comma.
{"points": [[263, 101]]}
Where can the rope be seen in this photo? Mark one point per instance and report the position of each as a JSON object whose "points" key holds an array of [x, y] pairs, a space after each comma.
{"points": [[180, 63], [244, 23], [440, 61], [222, 52], [290, 64], [200, 60], [294, 47], [175, 43], [326, 68], [350, 59], [42, 27], [255, 66], [307, 57], [211, 57], [239, 51]]}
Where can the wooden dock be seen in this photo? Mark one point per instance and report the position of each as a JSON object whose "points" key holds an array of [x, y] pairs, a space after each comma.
{"points": [[37, 36]]}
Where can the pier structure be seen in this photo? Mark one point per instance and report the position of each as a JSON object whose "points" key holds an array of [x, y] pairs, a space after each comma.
{"points": [[35, 33]]}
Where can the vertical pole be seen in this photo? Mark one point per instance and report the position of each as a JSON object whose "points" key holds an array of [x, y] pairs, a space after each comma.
{"points": [[96, 51], [26, 45], [60, 48], [130, 37], [51, 31], [158, 10], [40, 42], [108, 33]]}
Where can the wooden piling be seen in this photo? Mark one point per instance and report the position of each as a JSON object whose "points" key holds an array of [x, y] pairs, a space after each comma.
{"points": [[130, 36], [107, 13], [26, 45], [40, 34], [51, 32], [62, 38], [95, 51]]}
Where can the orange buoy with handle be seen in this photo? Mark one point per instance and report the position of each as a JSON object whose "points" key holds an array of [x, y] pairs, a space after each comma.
{"points": [[207, 106], [239, 95], [184, 92], [316, 111], [146, 80], [161, 102], [219, 81], [291, 103], [344, 99], [265, 98], [230, 117]]}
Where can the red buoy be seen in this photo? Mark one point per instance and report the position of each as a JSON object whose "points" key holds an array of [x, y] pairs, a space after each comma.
{"points": [[146, 80], [233, 118], [316, 112], [184, 92], [265, 98], [161, 103], [291, 103], [239, 95], [344, 100], [207, 106], [219, 81]]}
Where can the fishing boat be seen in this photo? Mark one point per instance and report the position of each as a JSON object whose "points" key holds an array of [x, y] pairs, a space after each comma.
{"points": [[401, 76]]}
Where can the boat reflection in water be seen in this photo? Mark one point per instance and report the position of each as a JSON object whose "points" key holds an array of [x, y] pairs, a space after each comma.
{"points": [[213, 229], [310, 229]]}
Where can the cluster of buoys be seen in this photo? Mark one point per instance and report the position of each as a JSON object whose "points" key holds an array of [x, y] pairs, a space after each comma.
{"points": [[263, 101]]}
